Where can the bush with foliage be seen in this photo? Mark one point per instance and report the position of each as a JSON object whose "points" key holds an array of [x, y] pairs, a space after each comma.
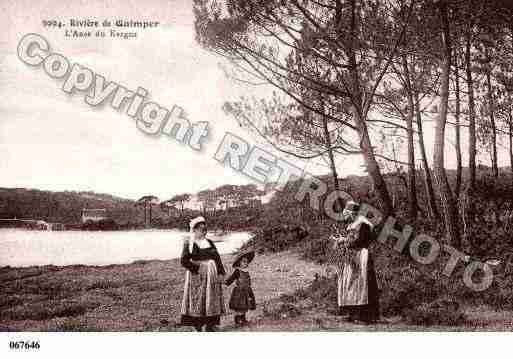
{"points": [[407, 288]]}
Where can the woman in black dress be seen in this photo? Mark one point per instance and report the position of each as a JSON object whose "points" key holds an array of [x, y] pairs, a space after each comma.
{"points": [[357, 285], [203, 303]]}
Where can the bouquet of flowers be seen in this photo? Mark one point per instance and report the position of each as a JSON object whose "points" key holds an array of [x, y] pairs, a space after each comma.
{"points": [[337, 255]]}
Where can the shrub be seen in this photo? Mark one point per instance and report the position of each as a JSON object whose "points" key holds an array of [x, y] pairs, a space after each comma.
{"points": [[405, 286], [438, 312], [277, 238], [322, 292], [287, 298], [278, 310], [104, 284]]}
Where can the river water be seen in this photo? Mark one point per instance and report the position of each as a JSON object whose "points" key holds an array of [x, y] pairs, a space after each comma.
{"points": [[22, 248]]}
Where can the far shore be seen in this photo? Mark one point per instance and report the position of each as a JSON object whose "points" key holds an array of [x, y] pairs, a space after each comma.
{"points": [[134, 229]]}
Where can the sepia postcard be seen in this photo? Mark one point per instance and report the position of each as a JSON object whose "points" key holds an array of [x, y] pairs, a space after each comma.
{"points": [[320, 166]]}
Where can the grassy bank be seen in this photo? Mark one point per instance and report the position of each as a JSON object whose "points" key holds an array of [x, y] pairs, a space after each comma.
{"points": [[146, 296], [141, 296]]}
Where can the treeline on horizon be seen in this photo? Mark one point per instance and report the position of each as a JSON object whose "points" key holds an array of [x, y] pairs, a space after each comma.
{"points": [[148, 211]]}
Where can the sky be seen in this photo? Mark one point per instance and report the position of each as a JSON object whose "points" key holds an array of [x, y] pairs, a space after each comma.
{"points": [[50, 140]]}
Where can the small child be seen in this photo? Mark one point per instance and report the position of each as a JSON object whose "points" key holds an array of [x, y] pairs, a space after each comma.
{"points": [[242, 298]]}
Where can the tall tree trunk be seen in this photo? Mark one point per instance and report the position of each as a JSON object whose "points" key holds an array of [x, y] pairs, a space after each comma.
{"points": [[446, 197], [357, 107], [433, 208], [412, 191], [333, 167], [511, 116], [457, 128], [489, 95], [471, 115], [511, 143], [373, 170]]}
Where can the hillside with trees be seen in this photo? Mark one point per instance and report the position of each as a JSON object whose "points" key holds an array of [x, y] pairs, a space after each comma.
{"points": [[64, 207], [219, 204]]}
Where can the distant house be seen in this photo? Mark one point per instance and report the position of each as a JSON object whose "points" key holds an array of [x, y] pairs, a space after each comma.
{"points": [[94, 215], [254, 202], [266, 198], [56, 226], [193, 203], [43, 225]]}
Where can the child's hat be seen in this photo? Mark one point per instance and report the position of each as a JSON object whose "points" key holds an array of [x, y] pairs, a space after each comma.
{"points": [[249, 254]]}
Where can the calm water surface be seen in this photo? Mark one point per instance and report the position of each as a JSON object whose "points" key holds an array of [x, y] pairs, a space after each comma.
{"points": [[21, 248]]}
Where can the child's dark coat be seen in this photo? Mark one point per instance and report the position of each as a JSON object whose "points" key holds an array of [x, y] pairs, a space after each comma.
{"points": [[242, 298]]}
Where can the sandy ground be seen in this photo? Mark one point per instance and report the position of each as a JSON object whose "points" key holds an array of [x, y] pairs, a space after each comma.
{"points": [[146, 296]]}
